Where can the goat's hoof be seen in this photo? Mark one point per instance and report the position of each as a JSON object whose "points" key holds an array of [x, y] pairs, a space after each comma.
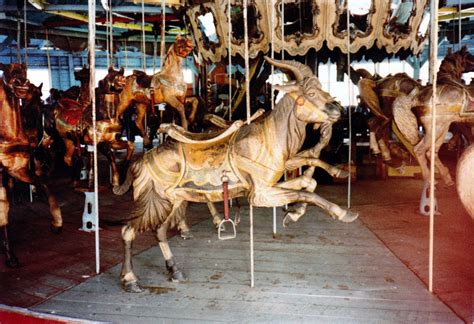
{"points": [[56, 229], [287, 220], [349, 217], [178, 276], [187, 235], [132, 287]]}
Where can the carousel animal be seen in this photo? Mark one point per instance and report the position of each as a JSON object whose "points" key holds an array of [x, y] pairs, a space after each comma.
{"points": [[465, 178], [454, 104], [15, 150], [73, 124], [251, 158], [166, 86], [378, 94], [108, 93]]}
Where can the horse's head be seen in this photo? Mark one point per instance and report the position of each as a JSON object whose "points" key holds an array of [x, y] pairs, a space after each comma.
{"points": [[14, 77], [467, 60], [82, 75], [34, 93], [312, 104], [455, 64], [183, 46], [114, 81]]}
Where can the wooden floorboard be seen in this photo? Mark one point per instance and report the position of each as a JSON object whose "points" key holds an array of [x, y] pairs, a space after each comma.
{"points": [[317, 270]]}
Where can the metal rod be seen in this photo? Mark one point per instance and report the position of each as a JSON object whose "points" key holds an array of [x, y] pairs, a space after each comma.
{"points": [[349, 112], [247, 96], [282, 29], [48, 58], [25, 35], [163, 25], [18, 36], [459, 25], [433, 63], [229, 46], [94, 127], [111, 34], [143, 37], [272, 71]]}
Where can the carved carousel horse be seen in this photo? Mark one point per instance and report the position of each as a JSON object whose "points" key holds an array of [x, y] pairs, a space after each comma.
{"points": [[253, 157], [378, 95], [166, 86], [15, 149], [454, 104], [73, 123]]}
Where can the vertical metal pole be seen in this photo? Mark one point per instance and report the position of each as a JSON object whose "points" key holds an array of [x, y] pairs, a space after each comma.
{"points": [[48, 57], [18, 42], [459, 25], [143, 37], [247, 97], [349, 112], [126, 56], [229, 46], [282, 29], [25, 53], [433, 63], [272, 99], [163, 25], [107, 35], [111, 34], [94, 126]]}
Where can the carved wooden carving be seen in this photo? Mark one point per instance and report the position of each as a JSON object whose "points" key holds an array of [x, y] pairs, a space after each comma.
{"points": [[259, 35], [210, 51], [312, 23]]}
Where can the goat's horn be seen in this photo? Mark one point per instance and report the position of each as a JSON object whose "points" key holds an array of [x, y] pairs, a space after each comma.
{"points": [[299, 70]]}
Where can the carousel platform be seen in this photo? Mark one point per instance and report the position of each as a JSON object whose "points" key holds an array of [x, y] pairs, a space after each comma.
{"points": [[317, 270]]}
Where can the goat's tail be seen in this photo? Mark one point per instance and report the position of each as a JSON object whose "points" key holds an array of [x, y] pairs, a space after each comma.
{"points": [[125, 186]]}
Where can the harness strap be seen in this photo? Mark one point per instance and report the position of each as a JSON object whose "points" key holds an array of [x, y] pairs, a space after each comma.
{"points": [[225, 188]]}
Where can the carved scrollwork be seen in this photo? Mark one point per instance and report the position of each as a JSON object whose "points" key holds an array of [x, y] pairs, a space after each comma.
{"points": [[207, 31], [303, 28], [392, 25], [257, 26]]}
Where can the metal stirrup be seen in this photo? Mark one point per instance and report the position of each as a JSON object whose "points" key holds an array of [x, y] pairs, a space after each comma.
{"points": [[221, 228]]}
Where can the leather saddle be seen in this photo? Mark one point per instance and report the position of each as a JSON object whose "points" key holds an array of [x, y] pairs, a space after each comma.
{"points": [[70, 111]]}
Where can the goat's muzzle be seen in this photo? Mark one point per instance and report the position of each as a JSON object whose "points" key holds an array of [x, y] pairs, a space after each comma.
{"points": [[333, 109]]}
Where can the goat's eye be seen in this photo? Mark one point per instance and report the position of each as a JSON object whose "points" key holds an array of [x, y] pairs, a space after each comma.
{"points": [[311, 94]]}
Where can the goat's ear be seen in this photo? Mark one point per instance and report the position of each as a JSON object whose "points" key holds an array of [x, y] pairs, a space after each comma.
{"points": [[40, 86], [121, 71]]}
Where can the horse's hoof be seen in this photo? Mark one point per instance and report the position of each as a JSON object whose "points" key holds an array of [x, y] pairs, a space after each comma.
{"points": [[342, 174], [449, 183], [178, 276], [349, 217], [187, 235], [12, 262], [56, 229], [132, 287]]}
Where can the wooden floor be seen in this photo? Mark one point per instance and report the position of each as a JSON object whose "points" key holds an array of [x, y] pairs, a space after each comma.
{"points": [[317, 270]]}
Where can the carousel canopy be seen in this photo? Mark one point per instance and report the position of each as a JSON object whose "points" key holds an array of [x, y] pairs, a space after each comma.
{"points": [[388, 27]]}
